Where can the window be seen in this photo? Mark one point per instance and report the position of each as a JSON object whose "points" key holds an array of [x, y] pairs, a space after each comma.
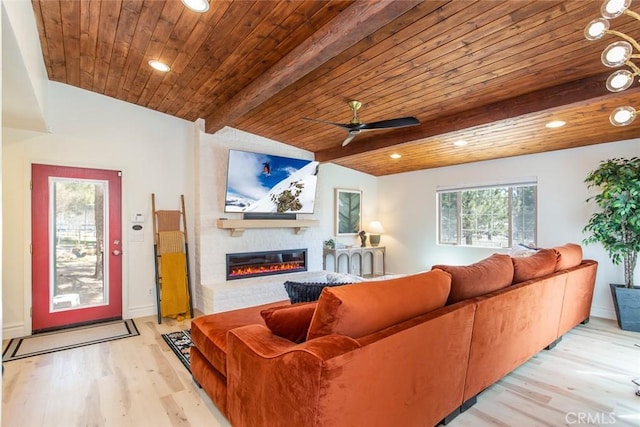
{"points": [[490, 216]]}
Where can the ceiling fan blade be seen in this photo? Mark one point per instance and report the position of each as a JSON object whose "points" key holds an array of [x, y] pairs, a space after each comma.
{"points": [[340, 125], [352, 134], [392, 123]]}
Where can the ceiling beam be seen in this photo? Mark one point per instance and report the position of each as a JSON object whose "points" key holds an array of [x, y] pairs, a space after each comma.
{"points": [[583, 90], [355, 23]]}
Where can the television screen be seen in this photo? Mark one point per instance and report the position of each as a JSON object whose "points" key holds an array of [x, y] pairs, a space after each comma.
{"points": [[262, 183]]}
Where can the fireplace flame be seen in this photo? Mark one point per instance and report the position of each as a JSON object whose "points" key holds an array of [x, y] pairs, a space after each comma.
{"points": [[265, 268]]}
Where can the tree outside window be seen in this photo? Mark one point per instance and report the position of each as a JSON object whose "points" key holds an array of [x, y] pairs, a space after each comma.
{"points": [[500, 216]]}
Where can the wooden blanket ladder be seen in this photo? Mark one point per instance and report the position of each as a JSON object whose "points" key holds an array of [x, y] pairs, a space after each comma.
{"points": [[171, 255]]}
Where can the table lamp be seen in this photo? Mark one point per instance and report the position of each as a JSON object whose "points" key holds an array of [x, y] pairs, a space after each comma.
{"points": [[375, 229]]}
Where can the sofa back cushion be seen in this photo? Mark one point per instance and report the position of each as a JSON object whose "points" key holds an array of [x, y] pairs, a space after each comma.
{"points": [[363, 308], [540, 264], [569, 255], [487, 275], [289, 321]]}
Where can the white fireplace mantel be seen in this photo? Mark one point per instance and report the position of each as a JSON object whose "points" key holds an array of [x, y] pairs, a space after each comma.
{"points": [[237, 227]]}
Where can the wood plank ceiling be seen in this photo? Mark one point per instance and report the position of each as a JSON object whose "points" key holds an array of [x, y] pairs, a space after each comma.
{"points": [[489, 72]]}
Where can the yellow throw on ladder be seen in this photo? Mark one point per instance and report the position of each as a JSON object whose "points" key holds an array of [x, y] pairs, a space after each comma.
{"points": [[171, 253]]}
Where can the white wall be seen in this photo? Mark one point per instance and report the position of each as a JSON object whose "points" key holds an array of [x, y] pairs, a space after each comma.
{"points": [[409, 215], [154, 151], [335, 176]]}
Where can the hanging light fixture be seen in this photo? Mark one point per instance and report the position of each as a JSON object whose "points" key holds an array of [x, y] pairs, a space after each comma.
{"points": [[617, 54]]}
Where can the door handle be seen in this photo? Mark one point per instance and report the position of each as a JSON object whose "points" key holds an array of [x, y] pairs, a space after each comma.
{"points": [[116, 252]]}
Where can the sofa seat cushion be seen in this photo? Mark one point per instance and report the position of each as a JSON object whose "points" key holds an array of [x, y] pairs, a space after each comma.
{"points": [[209, 332], [363, 308], [482, 277], [537, 265], [290, 321], [569, 255]]}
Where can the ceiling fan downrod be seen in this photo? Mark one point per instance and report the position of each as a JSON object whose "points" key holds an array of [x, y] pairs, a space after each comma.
{"points": [[355, 106]]}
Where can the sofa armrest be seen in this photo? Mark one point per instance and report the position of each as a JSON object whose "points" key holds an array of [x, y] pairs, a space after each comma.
{"points": [[273, 381]]}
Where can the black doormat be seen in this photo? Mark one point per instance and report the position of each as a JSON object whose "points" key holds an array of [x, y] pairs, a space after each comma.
{"points": [[180, 343]]}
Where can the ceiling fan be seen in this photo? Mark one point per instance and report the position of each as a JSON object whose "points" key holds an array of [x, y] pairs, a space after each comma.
{"points": [[355, 126]]}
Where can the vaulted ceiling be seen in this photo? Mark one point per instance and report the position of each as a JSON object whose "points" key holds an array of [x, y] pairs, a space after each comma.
{"points": [[489, 72]]}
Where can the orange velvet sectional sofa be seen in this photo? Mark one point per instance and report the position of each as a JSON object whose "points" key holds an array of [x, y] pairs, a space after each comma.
{"points": [[410, 351]]}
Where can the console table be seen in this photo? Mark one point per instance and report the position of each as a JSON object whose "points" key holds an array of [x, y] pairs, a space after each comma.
{"points": [[358, 255]]}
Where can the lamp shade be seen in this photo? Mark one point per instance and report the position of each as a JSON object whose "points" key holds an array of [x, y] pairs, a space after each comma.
{"points": [[375, 227]]}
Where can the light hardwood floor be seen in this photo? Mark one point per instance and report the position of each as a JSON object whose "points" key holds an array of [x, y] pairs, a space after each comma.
{"points": [[585, 380]]}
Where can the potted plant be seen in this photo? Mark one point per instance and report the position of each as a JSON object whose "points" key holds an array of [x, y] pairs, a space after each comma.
{"points": [[616, 226]]}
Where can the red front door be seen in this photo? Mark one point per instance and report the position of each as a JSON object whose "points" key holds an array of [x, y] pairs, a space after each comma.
{"points": [[76, 249]]}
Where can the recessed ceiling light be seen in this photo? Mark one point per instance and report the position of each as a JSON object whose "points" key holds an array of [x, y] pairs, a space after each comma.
{"points": [[395, 156], [200, 6], [460, 143], [556, 124], [160, 66]]}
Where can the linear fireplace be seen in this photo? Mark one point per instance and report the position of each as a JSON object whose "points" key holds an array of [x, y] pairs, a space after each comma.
{"points": [[252, 264]]}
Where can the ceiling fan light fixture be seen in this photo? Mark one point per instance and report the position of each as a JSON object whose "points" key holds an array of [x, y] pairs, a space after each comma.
{"points": [[160, 66], [554, 124], [623, 116], [613, 8], [596, 29], [199, 6], [620, 80], [616, 54]]}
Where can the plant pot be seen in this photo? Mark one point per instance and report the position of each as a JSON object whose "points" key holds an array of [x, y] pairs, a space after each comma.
{"points": [[627, 304]]}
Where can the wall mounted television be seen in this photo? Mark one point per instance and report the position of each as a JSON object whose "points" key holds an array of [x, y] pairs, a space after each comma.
{"points": [[260, 183]]}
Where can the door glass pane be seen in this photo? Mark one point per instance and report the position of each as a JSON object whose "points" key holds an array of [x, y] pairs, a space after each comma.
{"points": [[78, 227]]}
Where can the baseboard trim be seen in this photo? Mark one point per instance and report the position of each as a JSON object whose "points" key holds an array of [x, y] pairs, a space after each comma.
{"points": [[141, 311], [604, 312], [15, 330]]}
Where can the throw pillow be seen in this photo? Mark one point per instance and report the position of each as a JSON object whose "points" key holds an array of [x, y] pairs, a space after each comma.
{"points": [[305, 291], [360, 309], [569, 255], [539, 264], [290, 321], [482, 277]]}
